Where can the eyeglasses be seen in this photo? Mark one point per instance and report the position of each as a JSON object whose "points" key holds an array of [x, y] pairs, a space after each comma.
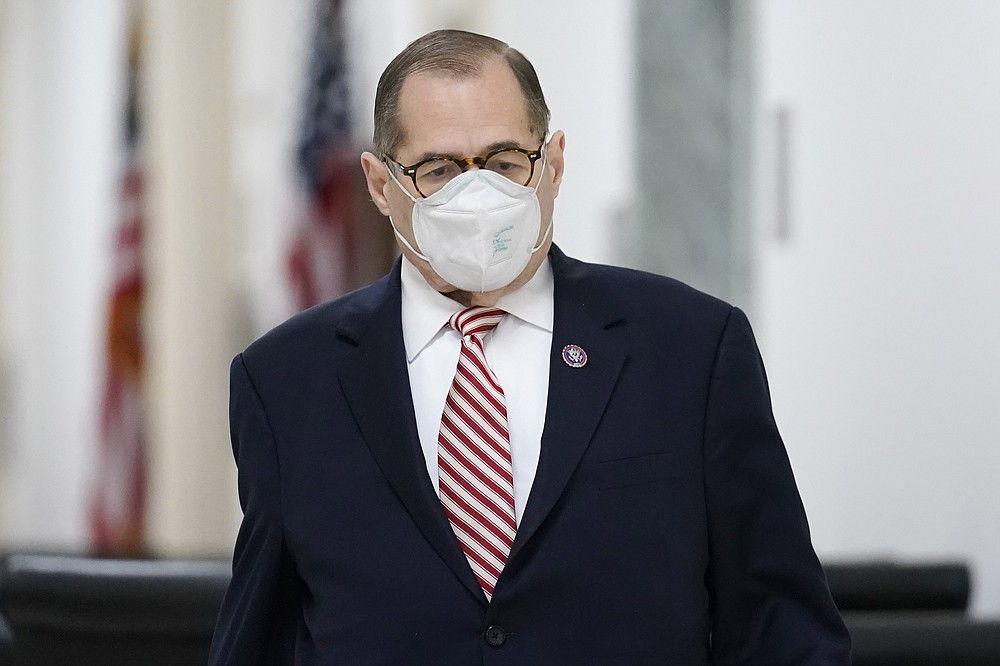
{"points": [[430, 175]]}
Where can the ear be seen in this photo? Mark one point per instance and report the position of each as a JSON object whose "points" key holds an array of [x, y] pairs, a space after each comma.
{"points": [[554, 162], [378, 177]]}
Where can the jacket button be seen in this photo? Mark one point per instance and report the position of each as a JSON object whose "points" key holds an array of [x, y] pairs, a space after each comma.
{"points": [[495, 636]]}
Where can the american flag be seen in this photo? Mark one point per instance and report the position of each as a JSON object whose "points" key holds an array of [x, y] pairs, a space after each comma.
{"points": [[342, 243], [118, 503]]}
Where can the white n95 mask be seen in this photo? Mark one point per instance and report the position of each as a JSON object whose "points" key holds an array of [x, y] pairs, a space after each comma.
{"points": [[477, 232]]}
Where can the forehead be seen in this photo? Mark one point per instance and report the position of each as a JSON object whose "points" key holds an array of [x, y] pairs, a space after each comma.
{"points": [[444, 114]]}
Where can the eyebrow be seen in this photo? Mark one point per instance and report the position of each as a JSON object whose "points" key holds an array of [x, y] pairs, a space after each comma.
{"points": [[499, 145]]}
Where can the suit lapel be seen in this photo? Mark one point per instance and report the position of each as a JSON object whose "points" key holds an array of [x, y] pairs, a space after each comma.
{"points": [[375, 380], [577, 396]]}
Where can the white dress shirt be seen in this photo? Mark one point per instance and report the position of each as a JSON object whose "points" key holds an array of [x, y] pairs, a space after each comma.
{"points": [[517, 351]]}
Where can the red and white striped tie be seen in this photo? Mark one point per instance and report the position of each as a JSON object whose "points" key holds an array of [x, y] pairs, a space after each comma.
{"points": [[475, 477]]}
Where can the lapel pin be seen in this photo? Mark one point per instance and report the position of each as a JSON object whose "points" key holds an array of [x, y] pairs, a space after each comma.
{"points": [[574, 356]]}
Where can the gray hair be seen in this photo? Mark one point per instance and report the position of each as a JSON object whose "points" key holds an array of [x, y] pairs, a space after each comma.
{"points": [[462, 54]]}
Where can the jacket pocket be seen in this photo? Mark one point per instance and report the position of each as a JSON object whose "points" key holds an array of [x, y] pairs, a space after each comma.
{"points": [[635, 471]]}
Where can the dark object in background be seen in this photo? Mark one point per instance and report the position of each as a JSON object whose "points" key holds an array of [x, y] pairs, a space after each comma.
{"points": [[80, 610], [888, 586], [6, 643], [922, 638], [912, 614]]}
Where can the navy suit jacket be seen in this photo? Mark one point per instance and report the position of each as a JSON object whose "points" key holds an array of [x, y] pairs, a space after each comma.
{"points": [[663, 526]]}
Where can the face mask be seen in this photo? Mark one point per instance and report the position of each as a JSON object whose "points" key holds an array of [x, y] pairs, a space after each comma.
{"points": [[478, 232]]}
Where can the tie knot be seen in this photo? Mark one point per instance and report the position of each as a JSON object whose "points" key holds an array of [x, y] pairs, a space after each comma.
{"points": [[476, 320]]}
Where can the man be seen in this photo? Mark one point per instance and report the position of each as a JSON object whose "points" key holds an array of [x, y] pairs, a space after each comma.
{"points": [[498, 454]]}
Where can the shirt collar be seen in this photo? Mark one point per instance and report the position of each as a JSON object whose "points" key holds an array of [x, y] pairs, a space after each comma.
{"points": [[426, 311]]}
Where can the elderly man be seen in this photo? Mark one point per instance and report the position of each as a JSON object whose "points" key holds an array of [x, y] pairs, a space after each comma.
{"points": [[498, 454]]}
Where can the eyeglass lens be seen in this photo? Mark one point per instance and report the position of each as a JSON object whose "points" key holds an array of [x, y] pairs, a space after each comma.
{"points": [[512, 164]]}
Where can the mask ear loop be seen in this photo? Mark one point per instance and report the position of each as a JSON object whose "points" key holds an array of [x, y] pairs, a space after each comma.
{"points": [[392, 223], [402, 239], [548, 228], [545, 157], [548, 232]]}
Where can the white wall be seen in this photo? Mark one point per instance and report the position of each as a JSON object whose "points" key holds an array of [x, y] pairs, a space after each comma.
{"points": [[878, 316], [268, 87], [60, 87], [191, 246]]}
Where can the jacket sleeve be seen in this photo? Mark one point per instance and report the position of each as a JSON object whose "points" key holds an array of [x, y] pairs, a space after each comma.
{"points": [[259, 616], [769, 597]]}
